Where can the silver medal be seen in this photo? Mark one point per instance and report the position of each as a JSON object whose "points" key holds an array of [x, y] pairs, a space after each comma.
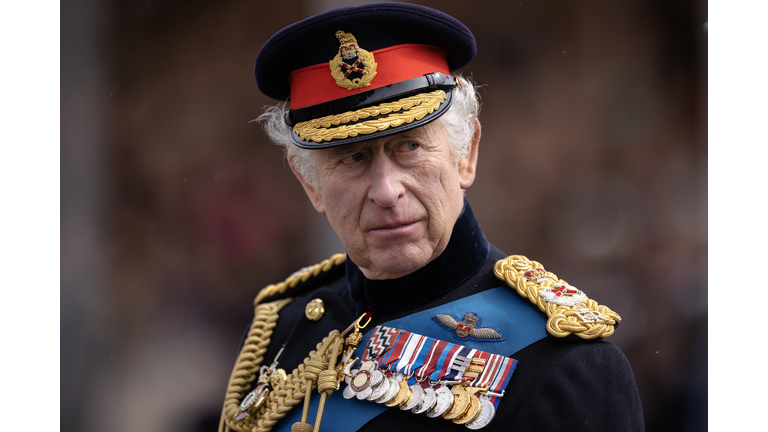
{"points": [[348, 393], [376, 378], [379, 390], [391, 392], [427, 401], [487, 412], [444, 401], [416, 394], [364, 393]]}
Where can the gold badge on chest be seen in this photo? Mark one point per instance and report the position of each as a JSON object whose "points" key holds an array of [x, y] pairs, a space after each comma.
{"points": [[352, 67]]}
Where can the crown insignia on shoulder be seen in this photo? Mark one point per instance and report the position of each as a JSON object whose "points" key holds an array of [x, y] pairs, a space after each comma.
{"points": [[570, 311]]}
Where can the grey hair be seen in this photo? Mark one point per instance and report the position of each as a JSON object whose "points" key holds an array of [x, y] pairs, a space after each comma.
{"points": [[458, 123]]}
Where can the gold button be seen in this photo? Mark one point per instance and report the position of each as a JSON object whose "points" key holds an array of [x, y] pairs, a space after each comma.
{"points": [[315, 309]]}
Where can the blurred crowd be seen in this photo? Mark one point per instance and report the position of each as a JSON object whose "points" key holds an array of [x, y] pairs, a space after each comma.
{"points": [[176, 209]]}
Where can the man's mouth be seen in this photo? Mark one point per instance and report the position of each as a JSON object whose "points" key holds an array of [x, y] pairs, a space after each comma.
{"points": [[394, 228]]}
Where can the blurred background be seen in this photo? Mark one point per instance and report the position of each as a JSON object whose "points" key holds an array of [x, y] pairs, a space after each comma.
{"points": [[176, 210]]}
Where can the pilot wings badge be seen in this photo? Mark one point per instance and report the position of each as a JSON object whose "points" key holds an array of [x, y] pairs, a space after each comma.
{"points": [[352, 67], [468, 328]]}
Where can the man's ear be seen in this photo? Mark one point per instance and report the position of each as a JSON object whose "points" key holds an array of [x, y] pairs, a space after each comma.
{"points": [[312, 191], [468, 166]]}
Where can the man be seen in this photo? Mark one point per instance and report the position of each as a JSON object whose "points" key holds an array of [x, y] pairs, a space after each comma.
{"points": [[423, 324]]}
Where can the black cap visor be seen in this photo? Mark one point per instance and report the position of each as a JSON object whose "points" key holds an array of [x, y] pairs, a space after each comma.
{"points": [[369, 115]]}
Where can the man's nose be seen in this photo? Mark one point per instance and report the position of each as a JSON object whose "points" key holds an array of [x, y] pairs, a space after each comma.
{"points": [[386, 181]]}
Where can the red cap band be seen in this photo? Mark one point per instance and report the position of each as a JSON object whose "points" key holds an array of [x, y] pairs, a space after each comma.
{"points": [[314, 84]]}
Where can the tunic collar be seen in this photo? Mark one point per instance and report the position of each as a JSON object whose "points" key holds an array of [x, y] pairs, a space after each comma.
{"points": [[465, 254]]}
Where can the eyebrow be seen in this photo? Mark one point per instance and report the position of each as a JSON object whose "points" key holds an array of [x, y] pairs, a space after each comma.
{"points": [[334, 152], [340, 150]]}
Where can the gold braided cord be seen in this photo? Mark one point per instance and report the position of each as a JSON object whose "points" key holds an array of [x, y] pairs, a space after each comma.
{"points": [[283, 397], [291, 392], [250, 359], [563, 320], [286, 394], [300, 276], [413, 108]]}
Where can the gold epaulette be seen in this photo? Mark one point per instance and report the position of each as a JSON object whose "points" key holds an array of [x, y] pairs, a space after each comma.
{"points": [[300, 276], [569, 310]]}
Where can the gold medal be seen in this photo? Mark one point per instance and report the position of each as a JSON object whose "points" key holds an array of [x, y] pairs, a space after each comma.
{"points": [[403, 393], [407, 392], [473, 410], [460, 403]]}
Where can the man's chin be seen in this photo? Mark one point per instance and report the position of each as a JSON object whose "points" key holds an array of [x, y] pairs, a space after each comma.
{"points": [[396, 263]]}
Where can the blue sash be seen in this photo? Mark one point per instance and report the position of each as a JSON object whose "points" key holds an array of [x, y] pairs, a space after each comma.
{"points": [[499, 308]]}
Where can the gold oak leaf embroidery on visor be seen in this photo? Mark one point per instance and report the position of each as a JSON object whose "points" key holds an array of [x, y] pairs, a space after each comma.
{"points": [[395, 114]]}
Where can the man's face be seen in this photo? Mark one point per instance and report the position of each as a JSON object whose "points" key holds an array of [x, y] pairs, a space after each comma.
{"points": [[393, 201]]}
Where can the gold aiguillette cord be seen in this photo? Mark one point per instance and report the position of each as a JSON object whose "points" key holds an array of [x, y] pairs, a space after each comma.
{"points": [[328, 378]]}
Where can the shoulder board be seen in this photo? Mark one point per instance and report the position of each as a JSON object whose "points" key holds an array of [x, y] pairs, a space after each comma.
{"points": [[300, 276], [568, 309]]}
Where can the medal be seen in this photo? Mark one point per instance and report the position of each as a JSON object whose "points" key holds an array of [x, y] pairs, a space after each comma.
{"points": [[486, 414], [473, 410], [416, 394], [252, 401], [348, 393], [427, 401], [380, 389], [443, 403], [362, 395], [403, 394], [460, 403], [391, 392], [363, 377], [256, 397], [363, 381], [469, 382]]}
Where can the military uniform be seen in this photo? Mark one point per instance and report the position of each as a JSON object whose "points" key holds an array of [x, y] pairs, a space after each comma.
{"points": [[474, 338], [559, 383]]}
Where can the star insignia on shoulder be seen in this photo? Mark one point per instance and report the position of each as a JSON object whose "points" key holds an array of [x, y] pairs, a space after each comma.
{"points": [[468, 328]]}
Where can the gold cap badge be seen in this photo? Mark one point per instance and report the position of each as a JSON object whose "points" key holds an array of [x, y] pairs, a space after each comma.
{"points": [[352, 67]]}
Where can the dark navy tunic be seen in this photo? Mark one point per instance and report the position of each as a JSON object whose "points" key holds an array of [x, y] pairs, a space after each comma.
{"points": [[558, 384]]}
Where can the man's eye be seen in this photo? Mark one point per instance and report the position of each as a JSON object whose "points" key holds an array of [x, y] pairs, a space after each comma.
{"points": [[355, 158], [409, 146]]}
